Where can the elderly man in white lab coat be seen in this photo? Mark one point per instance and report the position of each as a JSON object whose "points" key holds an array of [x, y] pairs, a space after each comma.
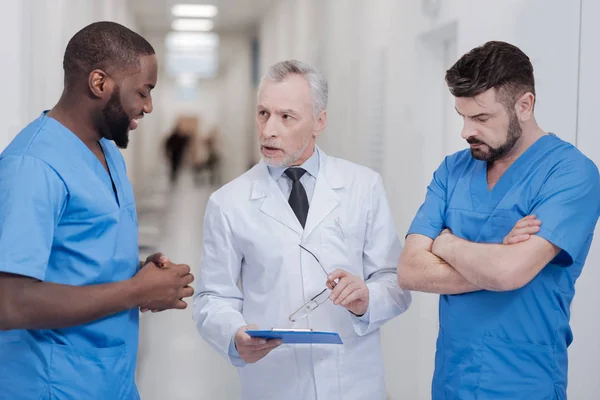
{"points": [[260, 234]]}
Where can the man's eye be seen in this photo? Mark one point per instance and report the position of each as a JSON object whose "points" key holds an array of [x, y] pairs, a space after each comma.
{"points": [[142, 95]]}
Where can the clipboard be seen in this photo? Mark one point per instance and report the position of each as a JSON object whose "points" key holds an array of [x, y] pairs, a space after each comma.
{"points": [[297, 336]]}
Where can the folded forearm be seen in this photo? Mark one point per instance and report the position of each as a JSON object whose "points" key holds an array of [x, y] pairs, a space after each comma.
{"points": [[425, 272], [42, 305], [478, 263]]}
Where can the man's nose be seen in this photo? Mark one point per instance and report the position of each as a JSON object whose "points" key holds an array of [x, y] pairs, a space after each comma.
{"points": [[468, 130], [148, 107], [270, 128]]}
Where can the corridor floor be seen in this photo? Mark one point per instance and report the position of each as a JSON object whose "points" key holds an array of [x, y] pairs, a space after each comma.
{"points": [[175, 363]]}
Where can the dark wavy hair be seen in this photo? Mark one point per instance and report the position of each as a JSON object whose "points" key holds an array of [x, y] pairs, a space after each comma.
{"points": [[498, 65]]}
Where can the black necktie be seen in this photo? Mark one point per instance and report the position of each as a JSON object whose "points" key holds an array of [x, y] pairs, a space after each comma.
{"points": [[298, 199]]}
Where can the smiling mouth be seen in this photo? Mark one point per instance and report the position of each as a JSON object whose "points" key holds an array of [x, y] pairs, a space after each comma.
{"points": [[133, 124]]}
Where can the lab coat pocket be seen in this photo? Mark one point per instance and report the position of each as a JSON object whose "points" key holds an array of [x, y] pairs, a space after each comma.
{"points": [[90, 373], [341, 247], [514, 369]]}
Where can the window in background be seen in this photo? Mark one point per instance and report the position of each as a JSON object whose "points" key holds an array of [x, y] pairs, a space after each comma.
{"points": [[190, 57]]}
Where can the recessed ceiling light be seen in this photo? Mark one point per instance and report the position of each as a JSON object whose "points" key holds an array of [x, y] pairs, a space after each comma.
{"points": [[203, 25], [194, 10], [181, 41]]}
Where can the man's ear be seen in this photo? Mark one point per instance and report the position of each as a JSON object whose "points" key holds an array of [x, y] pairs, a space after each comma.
{"points": [[100, 84], [524, 106], [320, 123]]}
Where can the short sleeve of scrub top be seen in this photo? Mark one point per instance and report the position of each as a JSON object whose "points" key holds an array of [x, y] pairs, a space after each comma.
{"points": [[429, 220], [568, 207], [32, 197]]}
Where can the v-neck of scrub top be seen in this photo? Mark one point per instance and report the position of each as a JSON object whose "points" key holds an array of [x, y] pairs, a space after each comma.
{"points": [[486, 200], [110, 167], [110, 179]]}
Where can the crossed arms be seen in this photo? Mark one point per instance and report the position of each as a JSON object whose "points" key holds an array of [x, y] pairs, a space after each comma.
{"points": [[451, 265]]}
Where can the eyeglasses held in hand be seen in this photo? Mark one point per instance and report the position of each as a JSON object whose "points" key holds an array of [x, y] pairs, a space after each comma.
{"points": [[317, 300]]}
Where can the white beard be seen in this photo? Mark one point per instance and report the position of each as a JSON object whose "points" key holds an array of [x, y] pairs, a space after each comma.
{"points": [[287, 160]]}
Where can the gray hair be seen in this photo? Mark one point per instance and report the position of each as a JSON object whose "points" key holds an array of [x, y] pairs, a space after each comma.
{"points": [[318, 83]]}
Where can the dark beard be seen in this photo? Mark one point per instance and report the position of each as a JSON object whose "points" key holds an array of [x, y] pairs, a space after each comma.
{"points": [[513, 135], [117, 121]]}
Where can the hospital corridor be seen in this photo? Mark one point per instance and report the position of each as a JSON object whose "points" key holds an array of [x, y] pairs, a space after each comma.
{"points": [[170, 340], [299, 199]]}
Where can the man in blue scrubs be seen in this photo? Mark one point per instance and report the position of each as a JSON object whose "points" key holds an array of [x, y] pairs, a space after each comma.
{"points": [[71, 283], [502, 235]]}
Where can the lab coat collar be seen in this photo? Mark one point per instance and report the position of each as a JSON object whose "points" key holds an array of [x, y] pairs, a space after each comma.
{"points": [[325, 199]]}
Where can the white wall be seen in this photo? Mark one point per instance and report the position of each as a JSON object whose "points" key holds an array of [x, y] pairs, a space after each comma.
{"points": [[11, 53], [237, 102], [34, 43], [348, 39], [585, 350]]}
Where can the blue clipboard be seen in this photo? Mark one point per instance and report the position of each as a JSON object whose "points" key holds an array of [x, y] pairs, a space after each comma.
{"points": [[297, 336]]}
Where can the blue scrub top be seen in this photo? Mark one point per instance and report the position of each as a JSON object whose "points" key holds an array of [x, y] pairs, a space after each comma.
{"points": [[61, 222], [512, 345]]}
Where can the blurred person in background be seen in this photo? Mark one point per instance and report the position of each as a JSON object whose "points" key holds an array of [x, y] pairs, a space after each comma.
{"points": [[71, 282], [253, 231], [502, 235], [210, 159], [177, 146]]}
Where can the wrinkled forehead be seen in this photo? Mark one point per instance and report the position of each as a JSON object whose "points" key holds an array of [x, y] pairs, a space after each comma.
{"points": [[293, 92]]}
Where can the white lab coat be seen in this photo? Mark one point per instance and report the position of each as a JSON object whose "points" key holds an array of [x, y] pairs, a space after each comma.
{"points": [[252, 236]]}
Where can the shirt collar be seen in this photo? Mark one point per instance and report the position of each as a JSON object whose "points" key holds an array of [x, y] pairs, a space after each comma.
{"points": [[311, 166]]}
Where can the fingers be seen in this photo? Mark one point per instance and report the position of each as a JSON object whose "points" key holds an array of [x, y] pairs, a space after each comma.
{"points": [[527, 221], [180, 305], [529, 230], [243, 340], [339, 288], [517, 239], [252, 354], [338, 274], [159, 259], [255, 356], [246, 340], [523, 230], [352, 297], [186, 291], [164, 259], [351, 287], [268, 345], [183, 269], [187, 279]]}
